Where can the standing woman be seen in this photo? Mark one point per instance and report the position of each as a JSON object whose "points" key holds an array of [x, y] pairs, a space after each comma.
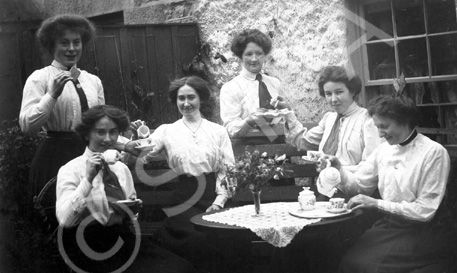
{"points": [[196, 150], [348, 131], [243, 96], [54, 98], [411, 172]]}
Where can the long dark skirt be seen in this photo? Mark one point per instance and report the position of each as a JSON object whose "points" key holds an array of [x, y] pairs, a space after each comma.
{"points": [[55, 150], [115, 248], [178, 233], [394, 244]]}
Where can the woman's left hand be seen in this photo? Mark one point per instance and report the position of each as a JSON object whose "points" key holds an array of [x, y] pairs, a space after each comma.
{"points": [[213, 208], [362, 202]]}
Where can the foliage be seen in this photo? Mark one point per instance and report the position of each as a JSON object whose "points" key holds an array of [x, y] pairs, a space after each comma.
{"points": [[254, 171], [16, 154]]}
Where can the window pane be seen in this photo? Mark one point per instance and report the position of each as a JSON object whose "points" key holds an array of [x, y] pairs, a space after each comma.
{"points": [[441, 15], [443, 50], [379, 20], [409, 17], [448, 91], [413, 57], [381, 61]]}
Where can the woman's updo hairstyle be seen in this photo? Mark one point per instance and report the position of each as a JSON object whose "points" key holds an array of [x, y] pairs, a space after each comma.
{"points": [[247, 36]]}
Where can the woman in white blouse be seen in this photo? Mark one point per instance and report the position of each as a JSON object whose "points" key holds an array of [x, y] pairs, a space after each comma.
{"points": [[196, 150], [86, 202], [239, 98], [411, 173], [50, 100], [357, 137]]}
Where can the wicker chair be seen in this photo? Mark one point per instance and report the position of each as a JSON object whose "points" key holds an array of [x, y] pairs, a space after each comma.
{"points": [[45, 205]]}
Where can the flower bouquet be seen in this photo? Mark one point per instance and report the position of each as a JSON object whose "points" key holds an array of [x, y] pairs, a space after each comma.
{"points": [[254, 171]]}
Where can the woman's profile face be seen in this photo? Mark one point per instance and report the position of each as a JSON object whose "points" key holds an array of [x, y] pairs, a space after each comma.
{"points": [[68, 48], [253, 58], [188, 101], [391, 130], [103, 135], [338, 96]]}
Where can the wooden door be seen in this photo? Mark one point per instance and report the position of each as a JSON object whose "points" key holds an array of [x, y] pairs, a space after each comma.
{"points": [[136, 65]]}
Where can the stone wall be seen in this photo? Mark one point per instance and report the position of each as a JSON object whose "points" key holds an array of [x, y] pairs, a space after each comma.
{"points": [[307, 35]]}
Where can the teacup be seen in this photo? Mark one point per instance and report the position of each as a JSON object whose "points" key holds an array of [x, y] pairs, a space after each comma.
{"points": [[143, 142], [111, 156], [336, 203], [143, 131]]}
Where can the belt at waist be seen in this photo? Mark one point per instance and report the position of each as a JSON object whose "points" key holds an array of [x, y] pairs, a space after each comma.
{"points": [[55, 134]]}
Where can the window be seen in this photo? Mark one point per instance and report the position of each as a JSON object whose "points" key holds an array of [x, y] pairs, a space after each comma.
{"points": [[417, 38]]}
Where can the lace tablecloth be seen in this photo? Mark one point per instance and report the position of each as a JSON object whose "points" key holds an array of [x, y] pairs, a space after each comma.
{"points": [[274, 224]]}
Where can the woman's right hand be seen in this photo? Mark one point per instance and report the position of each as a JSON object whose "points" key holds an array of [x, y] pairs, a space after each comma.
{"points": [[58, 84], [93, 165]]}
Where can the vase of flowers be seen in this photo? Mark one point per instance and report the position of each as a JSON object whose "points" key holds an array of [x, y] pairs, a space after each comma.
{"points": [[254, 170]]}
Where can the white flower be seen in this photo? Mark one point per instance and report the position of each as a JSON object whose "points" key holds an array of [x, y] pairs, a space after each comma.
{"points": [[280, 158], [276, 177], [264, 154]]}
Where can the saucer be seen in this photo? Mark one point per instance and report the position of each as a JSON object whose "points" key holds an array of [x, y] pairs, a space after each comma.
{"points": [[341, 210], [308, 159], [320, 211], [128, 203]]}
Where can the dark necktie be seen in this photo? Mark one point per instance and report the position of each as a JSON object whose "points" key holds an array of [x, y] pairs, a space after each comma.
{"points": [[264, 95], [81, 95], [113, 189], [331, 145]]}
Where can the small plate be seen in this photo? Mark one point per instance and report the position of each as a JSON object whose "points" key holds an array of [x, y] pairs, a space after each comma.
{"points": [[128, 203], [273, 113], [310, 160], [320, 211], [338, 210]]}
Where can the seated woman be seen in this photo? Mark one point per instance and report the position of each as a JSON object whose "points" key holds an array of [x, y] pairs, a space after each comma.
{"points": [[411, 173], [87, 191], [346, 132], [248, 93], [197, 151]]}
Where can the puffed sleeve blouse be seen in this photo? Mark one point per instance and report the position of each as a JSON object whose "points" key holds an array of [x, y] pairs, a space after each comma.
{"points": [[411, 179], [357, 139], [77, 197], [206, 151], [40, 110]]}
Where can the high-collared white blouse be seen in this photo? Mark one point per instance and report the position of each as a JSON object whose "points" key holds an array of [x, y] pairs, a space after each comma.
{"points": [[40, 110], [357, 138], [411, 179], [75, 193], [194, 154], [239, 98]]}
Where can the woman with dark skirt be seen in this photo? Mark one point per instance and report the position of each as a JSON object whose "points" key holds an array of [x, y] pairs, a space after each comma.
{"points": [[411, 173], [96, 232], [55, 96], [197, 150], [50, 98]]}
